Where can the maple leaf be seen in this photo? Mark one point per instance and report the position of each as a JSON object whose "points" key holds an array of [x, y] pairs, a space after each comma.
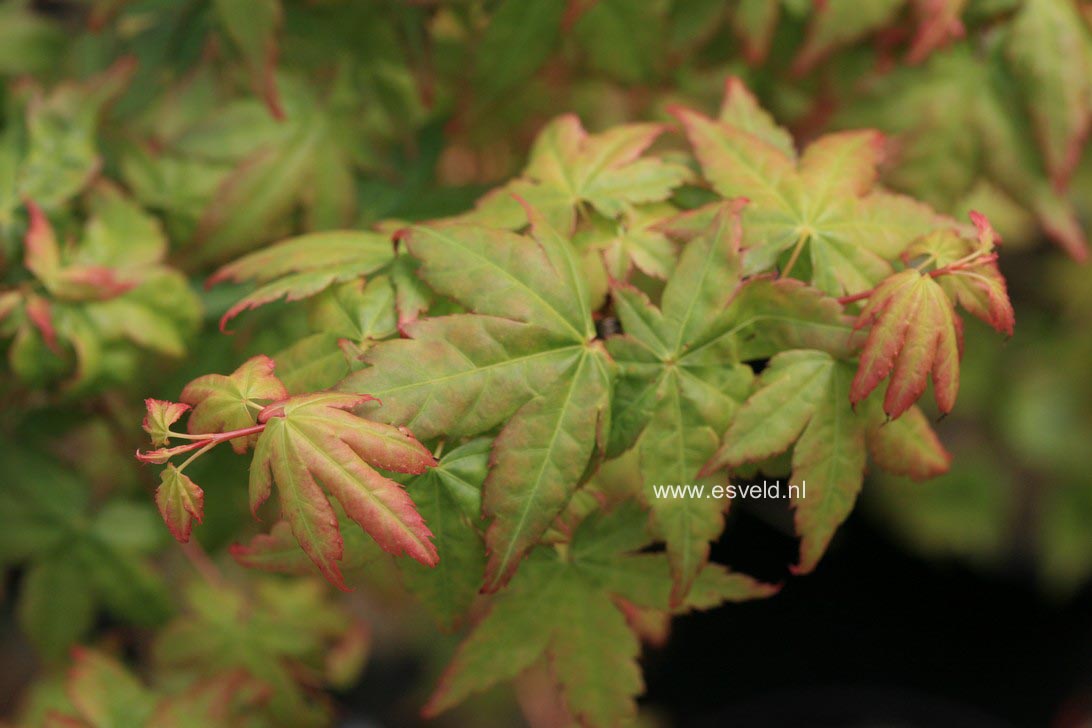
{"points": [[568, 166], [253, 28], [448, 497], [104, 693], [682, 372], [310, 439], [525, 357], [802, 397], [754, 22], [907, 446], [915, 334], [568, 611], [967, 271], [224, 403], [95, 293], [681, 393], [824, 201], [915, 330], [1056, 86], [159, 418], [180, 501], [304, 266], [802, 401]]}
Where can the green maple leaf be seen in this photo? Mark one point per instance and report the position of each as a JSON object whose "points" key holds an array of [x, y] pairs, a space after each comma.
{"points": [[525, 357], [682, 393], [568, 609], [823, 201], [448, 497], [682, 376], [802, 401], [838, 23], [253, 28], [803, 398], [304, 266], [102, 693], [105, 694], [310, 439], [51, 145], [569, 167]]}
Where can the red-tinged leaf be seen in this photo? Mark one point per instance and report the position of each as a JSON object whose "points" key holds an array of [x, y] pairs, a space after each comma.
{"points": [[741, 110], [159, 418], [88, 283], [253, 26], [223, 403], [1050, 52], [967, 271], [915, 334], [938, 25], [311, 439], [42, 256], [164, 454], [104, 693], [908, 446], [303, 266], [40, 313], [837, 23], [568, 167], [180, 502], [738, 162]]}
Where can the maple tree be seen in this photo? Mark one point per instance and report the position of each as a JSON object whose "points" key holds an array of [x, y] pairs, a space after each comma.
{"points": [[488, 277]]}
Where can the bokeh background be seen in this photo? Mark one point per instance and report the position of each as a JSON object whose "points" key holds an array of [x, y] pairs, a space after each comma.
{"points": [[963, 601]]}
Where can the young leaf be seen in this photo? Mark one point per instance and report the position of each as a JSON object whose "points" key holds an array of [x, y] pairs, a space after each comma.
{"points": [[312, 438], [159, 418], [224, 403], [180, 501], [915, 333]]}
